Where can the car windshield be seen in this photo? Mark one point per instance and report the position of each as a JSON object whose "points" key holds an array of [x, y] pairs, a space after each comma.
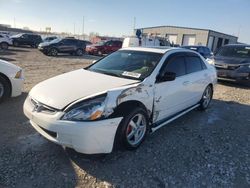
{"points": [[56, 40], [235, 51], [128, 64]]}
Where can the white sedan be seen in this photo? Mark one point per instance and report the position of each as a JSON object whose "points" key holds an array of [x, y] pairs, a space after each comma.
{"points": [[11, 80], [119, 99]]}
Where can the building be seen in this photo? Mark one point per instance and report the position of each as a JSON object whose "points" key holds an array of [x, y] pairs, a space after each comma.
{"points": [[191, 36]]}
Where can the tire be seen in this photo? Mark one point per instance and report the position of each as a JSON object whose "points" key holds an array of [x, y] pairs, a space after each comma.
{"points": [[53, 52], [5, 89], [79, 52], [15, 43], [99, 53], [128, 131], [206, 98], [4, 45]]}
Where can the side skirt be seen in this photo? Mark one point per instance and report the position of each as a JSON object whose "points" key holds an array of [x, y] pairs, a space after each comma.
{"points": [[166, 121]]}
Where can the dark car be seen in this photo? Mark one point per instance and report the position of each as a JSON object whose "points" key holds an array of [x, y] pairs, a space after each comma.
{"points": [[233, 63], [203, 50], [66, 45], [104, 47], [48, 39], [32, 40]]}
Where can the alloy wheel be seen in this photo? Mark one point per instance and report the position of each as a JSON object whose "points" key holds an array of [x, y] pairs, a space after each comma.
{"points": [[136, 129], [207, 96]]}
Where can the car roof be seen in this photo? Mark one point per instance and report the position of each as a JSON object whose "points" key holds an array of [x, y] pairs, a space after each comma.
{"points": [[157, 49]]}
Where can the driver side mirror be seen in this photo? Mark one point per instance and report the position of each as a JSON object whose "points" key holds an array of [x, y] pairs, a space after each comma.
{"points": [[167, 76]]}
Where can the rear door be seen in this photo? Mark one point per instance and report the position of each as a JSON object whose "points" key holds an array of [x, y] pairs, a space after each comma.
{"points": [[67, 45], [197, 77], [172, 96]]}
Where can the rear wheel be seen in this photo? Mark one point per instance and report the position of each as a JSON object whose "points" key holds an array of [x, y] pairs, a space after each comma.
{"points": [[133, 129], [53, 52], [206, 97], [79, 52], [4, 45], [5, 88]]}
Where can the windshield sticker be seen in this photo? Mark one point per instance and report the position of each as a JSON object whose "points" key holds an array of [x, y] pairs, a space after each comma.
{"points": [[131, 74]]}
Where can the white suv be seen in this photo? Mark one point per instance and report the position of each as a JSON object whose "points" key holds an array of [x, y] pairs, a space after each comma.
{"points": [[5, 41], [119, 99]]}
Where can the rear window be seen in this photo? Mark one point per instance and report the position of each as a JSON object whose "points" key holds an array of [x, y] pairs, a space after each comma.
{"points": [[235, 51], [194, 64]]}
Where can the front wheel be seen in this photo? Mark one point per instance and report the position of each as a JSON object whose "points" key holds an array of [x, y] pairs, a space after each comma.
{"points": [[79, 52], [53, 52], [133, 129], [15, 43], [4, 89], [206, 98]]}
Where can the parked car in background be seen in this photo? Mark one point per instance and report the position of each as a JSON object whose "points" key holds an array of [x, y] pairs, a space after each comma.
{"points": [[233, 63], [5, 41], [204, 51], [11, 80], [66, 45], [29, 39], [118, 100], [104, 47], [48, 39]]}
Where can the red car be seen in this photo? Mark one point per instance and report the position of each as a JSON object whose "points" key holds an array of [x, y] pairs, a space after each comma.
{"points": [[104, 47]]}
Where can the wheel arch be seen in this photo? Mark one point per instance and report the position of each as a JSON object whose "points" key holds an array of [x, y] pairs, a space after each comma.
{"points": [[125, 107]]}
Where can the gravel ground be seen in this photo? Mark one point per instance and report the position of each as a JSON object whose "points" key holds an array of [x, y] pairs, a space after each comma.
{"points": [[201, 149]]}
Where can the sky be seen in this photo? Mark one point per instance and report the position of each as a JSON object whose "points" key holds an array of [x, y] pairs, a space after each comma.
{"points": [[116, 17]]}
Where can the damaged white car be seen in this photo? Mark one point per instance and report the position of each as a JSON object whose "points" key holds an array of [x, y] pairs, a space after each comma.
{"points": [[117, 100]]}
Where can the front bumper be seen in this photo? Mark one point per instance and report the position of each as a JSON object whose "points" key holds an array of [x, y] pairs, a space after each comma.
{"points": [[90, 137], [17, 86], [233, 75]]}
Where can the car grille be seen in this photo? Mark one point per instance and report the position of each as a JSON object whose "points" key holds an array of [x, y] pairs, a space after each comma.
{"points": [[39, 107], [227, 67]]}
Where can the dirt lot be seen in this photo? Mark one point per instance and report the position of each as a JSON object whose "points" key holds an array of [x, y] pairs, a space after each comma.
{"points": [[209, 148]]}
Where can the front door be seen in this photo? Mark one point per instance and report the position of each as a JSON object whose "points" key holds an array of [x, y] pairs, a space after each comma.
{"points": [[172, 96]]}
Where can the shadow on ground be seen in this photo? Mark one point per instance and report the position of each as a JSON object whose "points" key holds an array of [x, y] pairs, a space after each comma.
{"points": [[26, 158], [208, 148], [202, 148]]}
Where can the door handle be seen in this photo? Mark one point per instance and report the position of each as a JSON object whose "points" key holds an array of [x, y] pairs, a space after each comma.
{"points": [[186, 83]]}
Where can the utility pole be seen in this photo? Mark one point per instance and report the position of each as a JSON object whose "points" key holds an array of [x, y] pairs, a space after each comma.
{"points": [[134, 25], [74, 29], [239, 31], [14, 22], [83, 27]]}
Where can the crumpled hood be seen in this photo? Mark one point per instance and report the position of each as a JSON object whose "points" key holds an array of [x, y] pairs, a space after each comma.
{"points": [[231, 60], [59, 91]]}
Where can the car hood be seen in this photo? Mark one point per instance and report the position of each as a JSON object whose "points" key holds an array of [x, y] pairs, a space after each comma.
{"points": [[231, 60], [60, 91]]}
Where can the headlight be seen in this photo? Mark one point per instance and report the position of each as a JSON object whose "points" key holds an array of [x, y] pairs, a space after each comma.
{"points": [[91, 109], [210, 61], [18, 74]]}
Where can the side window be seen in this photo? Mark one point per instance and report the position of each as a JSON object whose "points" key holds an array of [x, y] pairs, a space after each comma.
{"points": [[176, 65], [69, 41], [194, 64]]}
